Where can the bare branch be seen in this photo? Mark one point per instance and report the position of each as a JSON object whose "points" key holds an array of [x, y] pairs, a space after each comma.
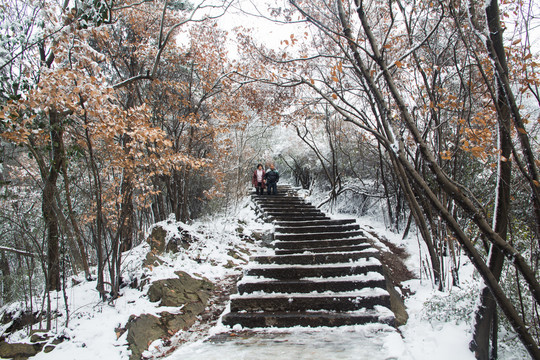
{"points": [[131, 5], [414, 49], [18, 251]]}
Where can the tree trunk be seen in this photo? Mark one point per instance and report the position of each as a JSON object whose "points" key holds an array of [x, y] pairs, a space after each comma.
{"points": [[48, 199], [97, 236], [485, 318], [6, 279], [126, 213], [497, 53], [76, 229], [124, 239], [387, 193]]}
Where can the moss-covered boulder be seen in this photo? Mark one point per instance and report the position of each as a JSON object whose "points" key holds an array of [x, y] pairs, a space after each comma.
{"points": [[19, 351], [142, 331], [180, 291], [188, 294]]}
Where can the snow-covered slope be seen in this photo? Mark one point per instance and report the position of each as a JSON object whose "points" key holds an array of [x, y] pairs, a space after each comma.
{"points": [[438, 326]]}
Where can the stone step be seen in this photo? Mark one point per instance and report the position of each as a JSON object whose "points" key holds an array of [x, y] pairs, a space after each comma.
{"points": [[280, 244], [308, 286], [288, 204], [313, 319], [293, 217], [283, 207], [322, 222], [284, 204], [301, 302], [359, 247], [283, 197], [316, 229], [324, 271], [309, 271], [318, 236], [324, 258], [293, 211], [281, 200]]}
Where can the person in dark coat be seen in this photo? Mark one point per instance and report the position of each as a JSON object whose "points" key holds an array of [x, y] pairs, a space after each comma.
{"points": [[258, 180], [272, 178]]}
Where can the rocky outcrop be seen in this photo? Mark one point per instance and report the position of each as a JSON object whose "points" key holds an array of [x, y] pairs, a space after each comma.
{"points": [[180, 291], [160, 243], [142, 331], [19, 320], [19, 351], [188, 294], [157, 239], [39, 341]]}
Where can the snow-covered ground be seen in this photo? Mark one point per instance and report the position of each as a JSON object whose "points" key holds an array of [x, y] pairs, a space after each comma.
{"points": [[438, 327], [373, 341]]}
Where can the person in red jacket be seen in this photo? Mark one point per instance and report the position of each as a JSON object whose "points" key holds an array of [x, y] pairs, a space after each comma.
{"points": [[258, 179]]}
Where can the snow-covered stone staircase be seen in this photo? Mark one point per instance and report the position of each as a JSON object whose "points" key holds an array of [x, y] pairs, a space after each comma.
{"points": [[324, 272]]}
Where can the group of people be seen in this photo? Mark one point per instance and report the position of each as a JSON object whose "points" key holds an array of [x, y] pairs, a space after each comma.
{"points": [[265, 179]]}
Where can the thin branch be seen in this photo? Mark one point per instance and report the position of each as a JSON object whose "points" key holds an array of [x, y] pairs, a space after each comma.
{"points": [[18, 251], [131, 5], [414, 49]]}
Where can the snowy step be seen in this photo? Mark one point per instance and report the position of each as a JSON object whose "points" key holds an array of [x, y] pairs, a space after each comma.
{"points": [[350, 248], [297, 211], [305, 244], [322, 222], [267, 206], [284, 319], [293, 217], [288, 205], [281, 208], [308, 286], [328, 258], [278, 198], [286, 272], [319, 236], [341, 301], [317, 229], [285, 201]]}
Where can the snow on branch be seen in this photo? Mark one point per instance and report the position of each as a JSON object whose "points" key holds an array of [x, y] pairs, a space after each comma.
{"points": [[17, 251]]}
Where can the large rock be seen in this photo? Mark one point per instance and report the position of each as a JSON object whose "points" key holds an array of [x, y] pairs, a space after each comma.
{"points": [[157, 240], [186, 292], [180, 291], [142, 331], [159, 243], [19, 351]]}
